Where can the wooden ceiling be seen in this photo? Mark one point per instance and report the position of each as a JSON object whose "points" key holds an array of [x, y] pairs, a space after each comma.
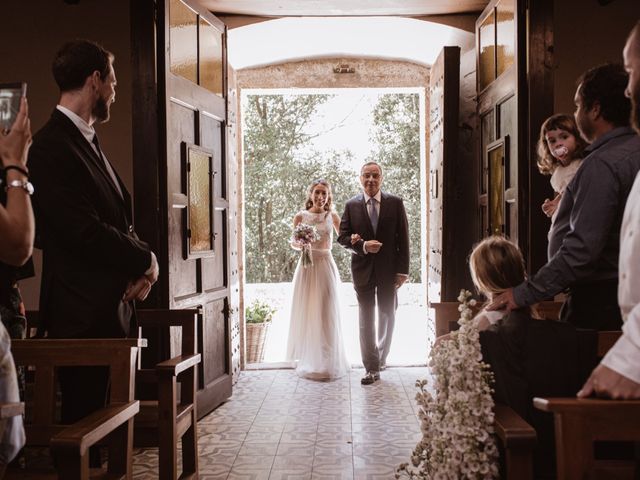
{"points": [[331, 8]]}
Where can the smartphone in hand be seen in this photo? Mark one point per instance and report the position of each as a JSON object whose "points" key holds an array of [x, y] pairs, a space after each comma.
{"points": [[10, 94]]}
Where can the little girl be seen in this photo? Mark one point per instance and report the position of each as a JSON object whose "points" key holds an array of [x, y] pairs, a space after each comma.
{"points": [[528, 356], [560, 149]]}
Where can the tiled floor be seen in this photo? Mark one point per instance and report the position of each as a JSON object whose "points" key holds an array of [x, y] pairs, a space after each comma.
{"points": [[279, 426]]}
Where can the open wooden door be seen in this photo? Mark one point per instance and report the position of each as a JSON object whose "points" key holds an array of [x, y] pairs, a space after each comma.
{"points": [[450, 188], [515, 94], [185, 170]]}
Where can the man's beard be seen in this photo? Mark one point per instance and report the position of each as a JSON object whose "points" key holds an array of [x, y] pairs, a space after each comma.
{"points": [[101, 110], [635, 109]]}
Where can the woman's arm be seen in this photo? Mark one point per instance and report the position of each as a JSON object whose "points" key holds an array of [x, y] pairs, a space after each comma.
{"points": [[296, 220], [17, 225], [336, 222]]}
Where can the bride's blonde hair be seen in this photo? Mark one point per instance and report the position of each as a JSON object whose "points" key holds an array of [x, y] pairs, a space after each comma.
{"points": [[309, 202]]}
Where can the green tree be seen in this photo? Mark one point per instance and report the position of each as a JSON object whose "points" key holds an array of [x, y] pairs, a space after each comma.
{"points": [[396, 136], [278, 170]]}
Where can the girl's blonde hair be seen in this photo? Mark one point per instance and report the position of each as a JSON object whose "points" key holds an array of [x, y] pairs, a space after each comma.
{"points": [[309, 202], [547, 163], [496, 265]]}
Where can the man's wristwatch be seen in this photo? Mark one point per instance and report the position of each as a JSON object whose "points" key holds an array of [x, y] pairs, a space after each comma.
{"points": [[24, 184]]}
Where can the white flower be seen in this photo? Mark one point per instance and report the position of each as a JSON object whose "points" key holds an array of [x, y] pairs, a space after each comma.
{"points": [[457, 420]]}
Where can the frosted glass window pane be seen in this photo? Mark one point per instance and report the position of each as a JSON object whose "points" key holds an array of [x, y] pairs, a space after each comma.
{"points": [[487, 63], [211, 73], [200, 202], [505, 35], [496, 190], [183, 41]]}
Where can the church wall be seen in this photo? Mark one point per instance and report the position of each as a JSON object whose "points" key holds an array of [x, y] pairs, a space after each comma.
{"points": [[587, 34], [31, 33]]}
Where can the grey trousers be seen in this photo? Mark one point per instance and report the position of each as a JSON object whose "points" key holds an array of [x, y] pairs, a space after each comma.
{"points": [[375, 348]]}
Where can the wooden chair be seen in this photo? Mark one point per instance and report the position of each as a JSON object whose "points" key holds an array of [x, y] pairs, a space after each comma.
{"points": [[112, 425], [580, 422], [172, 415]]}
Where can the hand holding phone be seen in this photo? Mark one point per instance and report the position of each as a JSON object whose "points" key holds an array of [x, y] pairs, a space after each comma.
{"points": [[10, 95], [14, 145]]}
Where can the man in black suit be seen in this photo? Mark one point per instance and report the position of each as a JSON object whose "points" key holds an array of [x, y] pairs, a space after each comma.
{"points": [[94, 266], [374, 228]]}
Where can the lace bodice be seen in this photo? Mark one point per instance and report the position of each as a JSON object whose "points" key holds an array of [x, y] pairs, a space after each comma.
{"points": [[324, 224]]}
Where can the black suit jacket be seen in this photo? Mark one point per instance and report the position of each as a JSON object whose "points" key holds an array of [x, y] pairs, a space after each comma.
{"points": [[84, 228], [392, 232]]}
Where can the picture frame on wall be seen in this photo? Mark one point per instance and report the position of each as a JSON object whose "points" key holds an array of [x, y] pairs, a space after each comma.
{"points": [[197, 174]]}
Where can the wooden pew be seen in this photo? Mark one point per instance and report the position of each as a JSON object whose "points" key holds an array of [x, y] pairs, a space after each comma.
{"points": [[172, 416], [580, 422], [447, 314], [113, 424], [516, 437]]}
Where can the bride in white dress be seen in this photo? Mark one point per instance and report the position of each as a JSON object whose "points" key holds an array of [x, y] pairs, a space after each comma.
{"points": [[315, 334]]}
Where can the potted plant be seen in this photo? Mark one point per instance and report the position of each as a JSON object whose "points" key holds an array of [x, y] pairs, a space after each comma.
{"points": [[258, 317]]}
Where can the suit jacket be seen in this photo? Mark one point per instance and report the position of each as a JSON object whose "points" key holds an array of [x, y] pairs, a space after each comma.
{"points": [[392, 232], [84, 228]]}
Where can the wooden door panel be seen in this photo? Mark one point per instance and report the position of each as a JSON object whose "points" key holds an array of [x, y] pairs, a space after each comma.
{"points": [[183, 118], [214, 341], [196, 116], [232, 195], [213, 268], [444, 89]]}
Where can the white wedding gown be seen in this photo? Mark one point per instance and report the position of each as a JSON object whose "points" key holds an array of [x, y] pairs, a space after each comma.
{"points": [[315, 333]]}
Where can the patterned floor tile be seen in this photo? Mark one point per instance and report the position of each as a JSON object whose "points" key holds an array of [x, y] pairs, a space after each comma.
{"points": [[278, 426], [337, 466]]}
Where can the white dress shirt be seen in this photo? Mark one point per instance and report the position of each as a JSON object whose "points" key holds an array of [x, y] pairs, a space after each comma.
{"points": [[624, 356], [13, 437]]}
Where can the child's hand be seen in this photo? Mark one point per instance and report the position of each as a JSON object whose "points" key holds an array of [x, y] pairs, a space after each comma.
{"points": [[355, 238], [550, 206]]}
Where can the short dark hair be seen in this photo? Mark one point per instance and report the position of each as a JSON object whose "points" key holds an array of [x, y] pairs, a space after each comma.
{"points": [[605, 84], [78, 59]]}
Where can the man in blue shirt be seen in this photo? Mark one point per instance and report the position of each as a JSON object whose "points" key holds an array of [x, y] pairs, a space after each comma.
{"points": [[585, 238]]}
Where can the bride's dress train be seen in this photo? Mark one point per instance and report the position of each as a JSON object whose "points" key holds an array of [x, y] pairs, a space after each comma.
{"points": [[315, 332]]}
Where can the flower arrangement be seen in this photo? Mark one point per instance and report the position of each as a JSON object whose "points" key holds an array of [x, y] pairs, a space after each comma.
{"points": [[457, 424], [259, 312], [304, 235]]}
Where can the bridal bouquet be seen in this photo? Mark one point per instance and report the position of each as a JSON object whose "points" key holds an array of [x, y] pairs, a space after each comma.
{"points": [[305, 235], [457, 424]]}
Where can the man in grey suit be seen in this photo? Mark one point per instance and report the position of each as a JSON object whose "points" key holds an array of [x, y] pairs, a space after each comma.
{"points": [[374, 228]]}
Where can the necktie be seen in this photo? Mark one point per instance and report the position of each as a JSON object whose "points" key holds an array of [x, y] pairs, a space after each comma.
{"points": [[373, 213], [107, 165]]}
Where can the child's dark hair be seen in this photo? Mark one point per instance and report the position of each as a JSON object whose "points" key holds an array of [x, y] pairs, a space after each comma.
{"points": [[547, 163]]}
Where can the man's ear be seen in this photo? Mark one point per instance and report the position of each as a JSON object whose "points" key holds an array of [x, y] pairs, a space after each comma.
{"points": [[94, 79], [595, 110]]}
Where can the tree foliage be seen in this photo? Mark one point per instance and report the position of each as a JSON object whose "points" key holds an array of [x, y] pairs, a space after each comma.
{"points": [[279, 167], [396, 140]]}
